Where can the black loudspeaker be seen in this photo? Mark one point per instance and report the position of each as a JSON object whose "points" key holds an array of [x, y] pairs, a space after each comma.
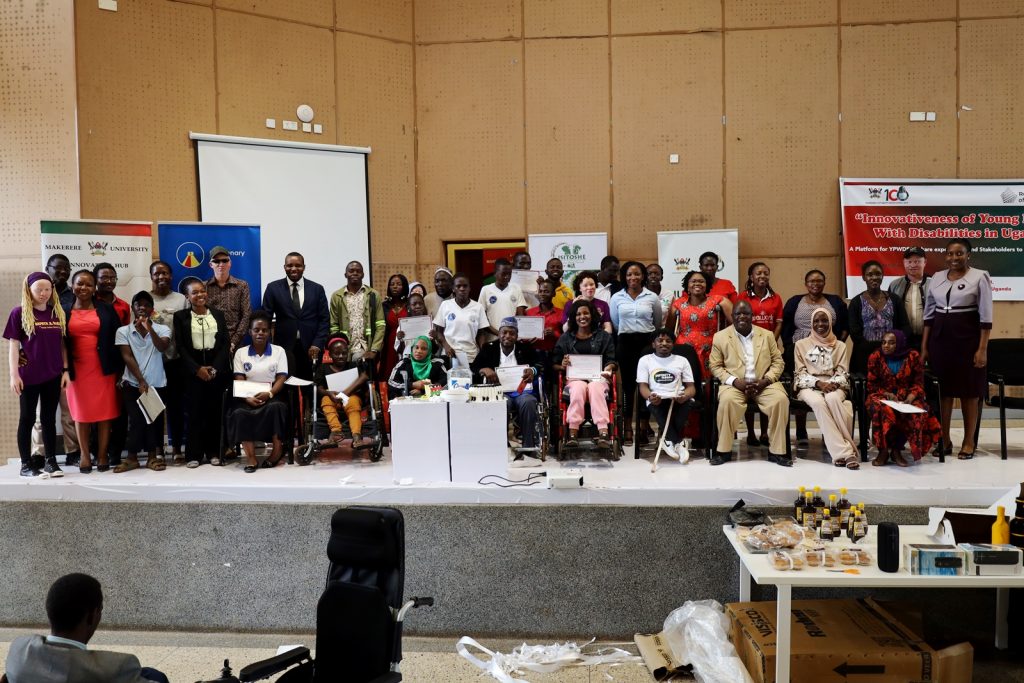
{"points": [[889, 547]]}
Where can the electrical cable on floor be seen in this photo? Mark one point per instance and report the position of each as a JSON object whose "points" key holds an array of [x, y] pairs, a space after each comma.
{"points": [[531, 479]]}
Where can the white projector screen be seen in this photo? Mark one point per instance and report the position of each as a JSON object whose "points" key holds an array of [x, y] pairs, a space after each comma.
{"points": [[306, 198]]}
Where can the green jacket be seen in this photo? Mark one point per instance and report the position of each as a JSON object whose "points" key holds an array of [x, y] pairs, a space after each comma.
{"points": [[373, 316]]}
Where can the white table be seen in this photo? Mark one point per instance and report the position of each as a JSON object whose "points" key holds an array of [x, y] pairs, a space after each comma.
{"points": [[756, 567]]}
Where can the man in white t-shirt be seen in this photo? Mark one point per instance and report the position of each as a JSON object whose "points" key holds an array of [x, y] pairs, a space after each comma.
{"points": [[460, 323], [664, 378], [502, 299]]}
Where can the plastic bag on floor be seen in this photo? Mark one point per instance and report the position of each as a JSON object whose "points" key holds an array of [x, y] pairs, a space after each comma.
{"points": [[698, 634], [539, 658]]}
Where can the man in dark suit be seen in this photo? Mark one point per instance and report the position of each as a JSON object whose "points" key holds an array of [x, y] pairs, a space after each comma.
{"points": [[74, 607], [508, 351], [301, 317]]}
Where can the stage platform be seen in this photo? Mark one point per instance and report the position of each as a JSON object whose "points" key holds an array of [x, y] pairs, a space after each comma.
{"points": [[628, 482]]}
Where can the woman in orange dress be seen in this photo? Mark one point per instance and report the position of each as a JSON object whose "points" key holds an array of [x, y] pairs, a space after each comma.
{"points": [[94, 363], [694, 316]]}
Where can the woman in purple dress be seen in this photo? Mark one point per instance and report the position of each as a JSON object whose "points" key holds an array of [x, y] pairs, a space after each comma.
{"points": [[957, 325]]}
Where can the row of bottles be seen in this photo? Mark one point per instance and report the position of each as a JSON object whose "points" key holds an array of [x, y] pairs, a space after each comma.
{"points": [[832, 521], [1012, 533]]}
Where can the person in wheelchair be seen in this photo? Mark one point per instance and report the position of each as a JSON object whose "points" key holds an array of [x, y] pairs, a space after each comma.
{"points": [[508, 351], [663, 378], [417, 370], [350, 400], [585, 336], [263, 417]]}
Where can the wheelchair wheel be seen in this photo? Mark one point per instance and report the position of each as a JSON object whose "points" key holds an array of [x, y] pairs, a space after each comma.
{"points": [[306, 453]]}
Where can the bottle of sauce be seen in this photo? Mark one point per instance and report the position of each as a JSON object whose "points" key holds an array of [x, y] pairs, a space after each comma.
{"points": [[844, 508], [798, 506], [1001, 529], [808, 512], [819, 505]]}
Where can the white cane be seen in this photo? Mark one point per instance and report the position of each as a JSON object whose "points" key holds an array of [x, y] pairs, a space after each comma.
{"points": [[664, 433]]}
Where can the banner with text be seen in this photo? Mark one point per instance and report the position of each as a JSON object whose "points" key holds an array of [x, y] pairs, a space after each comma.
{"points": [[577, 251], [883, 217], [128, 246], [186, 246], [679, 253]]}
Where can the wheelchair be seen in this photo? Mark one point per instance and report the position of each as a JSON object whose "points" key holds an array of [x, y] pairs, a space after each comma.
{"points": [[360, 613], [542, 431], [587, 434], [316, 429]]}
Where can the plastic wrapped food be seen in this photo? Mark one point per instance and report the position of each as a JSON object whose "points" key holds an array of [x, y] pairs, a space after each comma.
{"points": [[821, 557], [855, 556], [782, 533], [787, 560]]}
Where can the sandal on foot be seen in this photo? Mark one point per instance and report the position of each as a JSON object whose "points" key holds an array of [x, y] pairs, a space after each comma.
{"points": [[156, 464], [361, 444], [963, 455], [881, 459], [126, 465], [602, 440], [572, 441], [852, 463]]}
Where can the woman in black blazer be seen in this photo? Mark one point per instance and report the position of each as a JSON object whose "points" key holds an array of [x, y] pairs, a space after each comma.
{"points": [[201, 334]]}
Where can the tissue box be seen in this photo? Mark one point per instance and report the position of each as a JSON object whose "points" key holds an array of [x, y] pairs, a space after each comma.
{"points": [[934, 559], [985, 559]]}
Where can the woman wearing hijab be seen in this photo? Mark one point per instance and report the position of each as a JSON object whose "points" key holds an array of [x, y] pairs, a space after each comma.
{"points": [[417, 370], [822, 382], [896, 373]]}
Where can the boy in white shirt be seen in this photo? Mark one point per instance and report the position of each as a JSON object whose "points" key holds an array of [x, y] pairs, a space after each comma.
{"points": [[502, 299], [664, 378]]}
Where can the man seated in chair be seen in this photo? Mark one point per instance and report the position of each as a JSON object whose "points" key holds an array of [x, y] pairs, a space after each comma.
{"points": [[504, 352], [747, 361], [74, 607]]}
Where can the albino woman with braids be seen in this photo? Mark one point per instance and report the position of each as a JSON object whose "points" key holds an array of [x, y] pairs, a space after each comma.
{"points": [[38, 368]]}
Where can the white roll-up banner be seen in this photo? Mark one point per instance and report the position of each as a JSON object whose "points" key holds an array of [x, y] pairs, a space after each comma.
{"points": [[577, 251], [307, 198], [679, 251]]}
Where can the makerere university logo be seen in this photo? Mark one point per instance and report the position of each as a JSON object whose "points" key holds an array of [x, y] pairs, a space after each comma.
{"points": [[190, 255], [98, 248]]}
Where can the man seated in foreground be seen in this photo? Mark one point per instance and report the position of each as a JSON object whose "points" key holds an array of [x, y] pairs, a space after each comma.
{"points": [[508, 351], [663, 379], [74, 607], [748, 363]]}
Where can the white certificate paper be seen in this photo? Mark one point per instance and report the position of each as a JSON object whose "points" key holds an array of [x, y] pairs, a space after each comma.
{"points": [[246, 389], [530, 326], [510, 377], [526, 279], [340, 381], [584, 366], [416, 326], [903, 407]]}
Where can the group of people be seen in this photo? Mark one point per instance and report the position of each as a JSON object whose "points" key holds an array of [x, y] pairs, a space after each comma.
{"points": [[75, 344]]}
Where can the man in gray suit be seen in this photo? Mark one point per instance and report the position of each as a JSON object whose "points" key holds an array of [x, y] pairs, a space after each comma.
{"points": [[74, 606]]}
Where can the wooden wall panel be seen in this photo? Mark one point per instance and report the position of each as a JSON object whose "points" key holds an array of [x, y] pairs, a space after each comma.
{"points": [[451, 20], [567, 138], [991, 8], [886, 11], [470, 120], [267, 68], [887, 72], [552, 18], [385, 18], [145, 79], [666, 99], [782, 140], [375, 108], [765, 13], [319, 12], [661, 16], [992, 132]]}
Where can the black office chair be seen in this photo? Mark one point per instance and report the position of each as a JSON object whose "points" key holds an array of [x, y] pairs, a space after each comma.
{"points": [[359, 615], [1004, 370]]}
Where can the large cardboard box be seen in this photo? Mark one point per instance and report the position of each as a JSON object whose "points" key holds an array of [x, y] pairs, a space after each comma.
{"points": [[843, 640]]}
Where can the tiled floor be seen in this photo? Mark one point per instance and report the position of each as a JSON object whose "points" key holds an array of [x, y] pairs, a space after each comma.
{"points": [[195, 657]]}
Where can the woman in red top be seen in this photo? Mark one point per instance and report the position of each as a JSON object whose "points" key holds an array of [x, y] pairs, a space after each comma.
{"points": [[709, 263], [767, 308], [395, 307], [697, 313]]}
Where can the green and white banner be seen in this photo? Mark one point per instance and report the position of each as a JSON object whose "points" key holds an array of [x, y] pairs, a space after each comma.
{"points": [[576, 250], [126, 245]]}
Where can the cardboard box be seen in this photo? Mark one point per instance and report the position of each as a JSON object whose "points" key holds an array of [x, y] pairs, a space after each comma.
{"points": [[985, 559], [841, 640]]}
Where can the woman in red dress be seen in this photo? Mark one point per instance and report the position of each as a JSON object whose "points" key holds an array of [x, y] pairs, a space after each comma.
{"points": [[395, 307], [93, 367], [695, 316], [896, 373]]}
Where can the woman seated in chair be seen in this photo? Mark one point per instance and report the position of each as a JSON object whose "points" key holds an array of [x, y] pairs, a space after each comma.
{"points": [[896, 373], [262, 417], [586, 337], [822, 382], [417, 371], [350, 399]]}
